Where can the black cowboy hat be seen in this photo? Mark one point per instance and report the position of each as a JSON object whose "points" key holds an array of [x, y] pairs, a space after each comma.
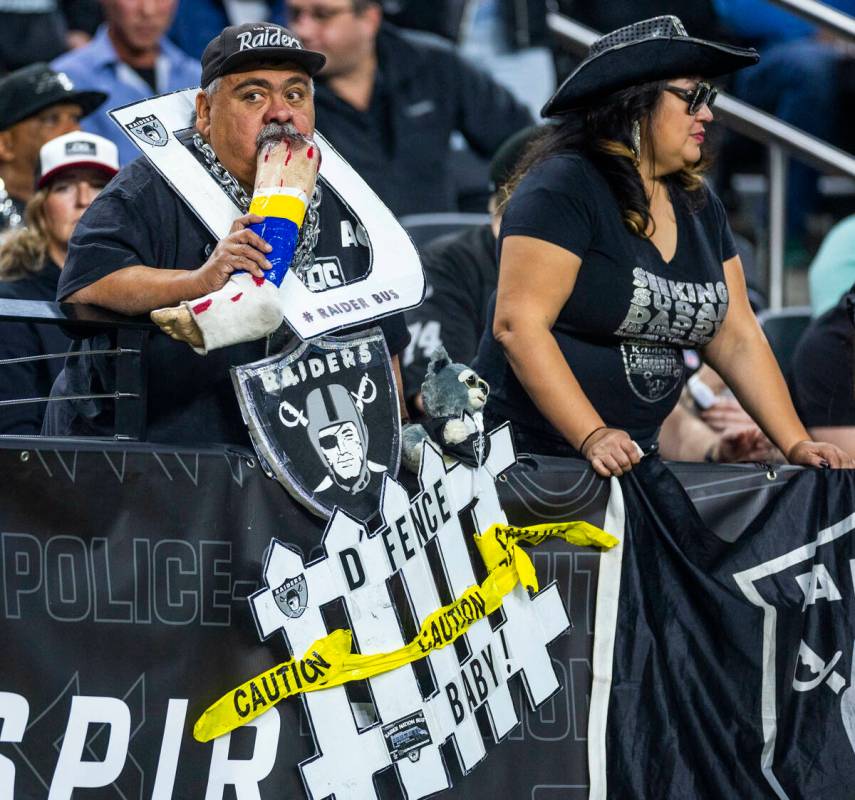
{"points": [[650, 50]]}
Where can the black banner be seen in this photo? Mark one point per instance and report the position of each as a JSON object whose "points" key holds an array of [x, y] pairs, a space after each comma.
{"points": [[125, 574], [732, 663]]}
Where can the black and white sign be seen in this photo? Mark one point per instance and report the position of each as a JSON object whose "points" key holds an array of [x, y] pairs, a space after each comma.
{"points": [[124, 602], [327, 302], [324, 417]]}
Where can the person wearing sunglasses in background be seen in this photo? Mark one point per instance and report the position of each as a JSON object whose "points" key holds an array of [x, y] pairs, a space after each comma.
{"points": [[615, 256]]}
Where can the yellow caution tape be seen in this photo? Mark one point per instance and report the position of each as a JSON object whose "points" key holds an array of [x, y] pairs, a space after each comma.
{"points": [[329, 661], [500, 544]]}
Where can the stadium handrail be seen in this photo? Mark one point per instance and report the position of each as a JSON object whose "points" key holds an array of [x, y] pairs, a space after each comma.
{"points": [[821, 14], [81, 320], [779, 137]]}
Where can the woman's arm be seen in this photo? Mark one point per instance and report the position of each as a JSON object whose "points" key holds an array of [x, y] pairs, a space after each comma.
{"points": [[742, 356], [536, 278]]}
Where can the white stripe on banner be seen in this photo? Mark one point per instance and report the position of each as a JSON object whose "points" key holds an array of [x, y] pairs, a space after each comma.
{"points": [[605, 621], [746, 581]]}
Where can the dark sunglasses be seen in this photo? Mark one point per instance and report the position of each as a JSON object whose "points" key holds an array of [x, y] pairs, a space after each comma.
{"points": [[702, 95]]}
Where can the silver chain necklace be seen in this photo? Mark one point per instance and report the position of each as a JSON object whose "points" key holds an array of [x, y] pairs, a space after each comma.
{"points": [[304, 253]]}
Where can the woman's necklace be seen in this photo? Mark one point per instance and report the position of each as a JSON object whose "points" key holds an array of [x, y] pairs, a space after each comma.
{"points": [[304, 255]]}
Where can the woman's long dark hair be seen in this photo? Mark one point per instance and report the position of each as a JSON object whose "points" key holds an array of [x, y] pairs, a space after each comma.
{"points": [[603, 134]]}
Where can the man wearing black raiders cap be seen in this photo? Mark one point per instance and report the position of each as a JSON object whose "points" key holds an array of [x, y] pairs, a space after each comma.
{"points": [[139, 247], [37, 104]]}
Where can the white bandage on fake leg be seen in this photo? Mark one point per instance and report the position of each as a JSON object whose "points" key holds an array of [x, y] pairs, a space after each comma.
{"points": [[245, 309]]}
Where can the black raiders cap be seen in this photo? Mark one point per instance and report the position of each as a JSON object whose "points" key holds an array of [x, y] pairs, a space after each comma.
{"points": [[254, 43], [31, 89]]}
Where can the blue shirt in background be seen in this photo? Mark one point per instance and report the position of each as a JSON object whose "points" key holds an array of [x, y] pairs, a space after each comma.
{"points": [[761, 20], [97, 66]]}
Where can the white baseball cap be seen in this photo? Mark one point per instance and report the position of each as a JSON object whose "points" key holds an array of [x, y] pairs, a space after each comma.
{"points": [[77, 150]]}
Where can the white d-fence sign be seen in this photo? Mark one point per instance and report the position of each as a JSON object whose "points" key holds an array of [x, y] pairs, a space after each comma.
{"points": [[407, 727]]}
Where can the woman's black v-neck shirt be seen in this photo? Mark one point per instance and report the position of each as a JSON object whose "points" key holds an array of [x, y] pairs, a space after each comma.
{"points": [[630, 314]]}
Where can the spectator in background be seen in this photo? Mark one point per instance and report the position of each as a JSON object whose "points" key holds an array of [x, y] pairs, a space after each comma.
{"points": [[506, 38], [74, 168], [198, 21], [796, 80], [36, 105], [461, 271], [832, 270], [130, 59], [39, 30], [389, 100], [822, 370]]}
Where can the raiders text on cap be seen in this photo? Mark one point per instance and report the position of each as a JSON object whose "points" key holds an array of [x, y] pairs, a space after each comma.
{"points": [[80, 148], [267, 37]]}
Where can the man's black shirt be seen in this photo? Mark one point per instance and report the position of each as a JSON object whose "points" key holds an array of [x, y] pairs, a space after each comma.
{"points": [[423, 92], [822, 369], [461, 271]]}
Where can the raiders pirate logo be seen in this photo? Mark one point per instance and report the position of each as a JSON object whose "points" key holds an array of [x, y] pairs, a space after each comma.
{"points": [[149, 130], [653, 371], [292, 596], [324, 420]]}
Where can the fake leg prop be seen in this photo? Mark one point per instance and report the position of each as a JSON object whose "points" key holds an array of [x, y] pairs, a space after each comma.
{"points": [[247, 308]]}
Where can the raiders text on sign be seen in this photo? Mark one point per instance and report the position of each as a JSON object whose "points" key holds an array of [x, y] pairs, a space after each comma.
{"points": [[345, 358]]}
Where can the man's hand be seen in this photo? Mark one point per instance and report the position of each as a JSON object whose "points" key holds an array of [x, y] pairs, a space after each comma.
{"points": [[242, 249]]}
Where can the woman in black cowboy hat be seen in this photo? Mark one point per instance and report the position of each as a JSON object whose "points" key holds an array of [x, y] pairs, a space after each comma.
{"points": [[615, 255]]}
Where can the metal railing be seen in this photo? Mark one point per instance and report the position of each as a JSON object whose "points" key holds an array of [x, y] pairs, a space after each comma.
{"points": [[822, 15], [780, 138], [131, 335]]}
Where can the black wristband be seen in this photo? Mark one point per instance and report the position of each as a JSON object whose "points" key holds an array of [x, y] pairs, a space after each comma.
{"points": [[585, 440]]}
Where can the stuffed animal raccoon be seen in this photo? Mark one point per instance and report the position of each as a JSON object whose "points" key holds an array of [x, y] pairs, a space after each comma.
{"points": [[454, 398]]}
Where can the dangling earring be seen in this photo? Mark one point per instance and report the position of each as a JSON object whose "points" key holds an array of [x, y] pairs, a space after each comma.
{"points": [[636, 141]]}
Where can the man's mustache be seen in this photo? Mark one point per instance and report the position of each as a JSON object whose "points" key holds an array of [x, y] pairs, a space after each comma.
{"points": [[275, 132]]}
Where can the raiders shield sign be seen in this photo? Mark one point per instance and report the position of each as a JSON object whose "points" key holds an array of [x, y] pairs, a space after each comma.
{"points": [[149, 130], [324, 420]]}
